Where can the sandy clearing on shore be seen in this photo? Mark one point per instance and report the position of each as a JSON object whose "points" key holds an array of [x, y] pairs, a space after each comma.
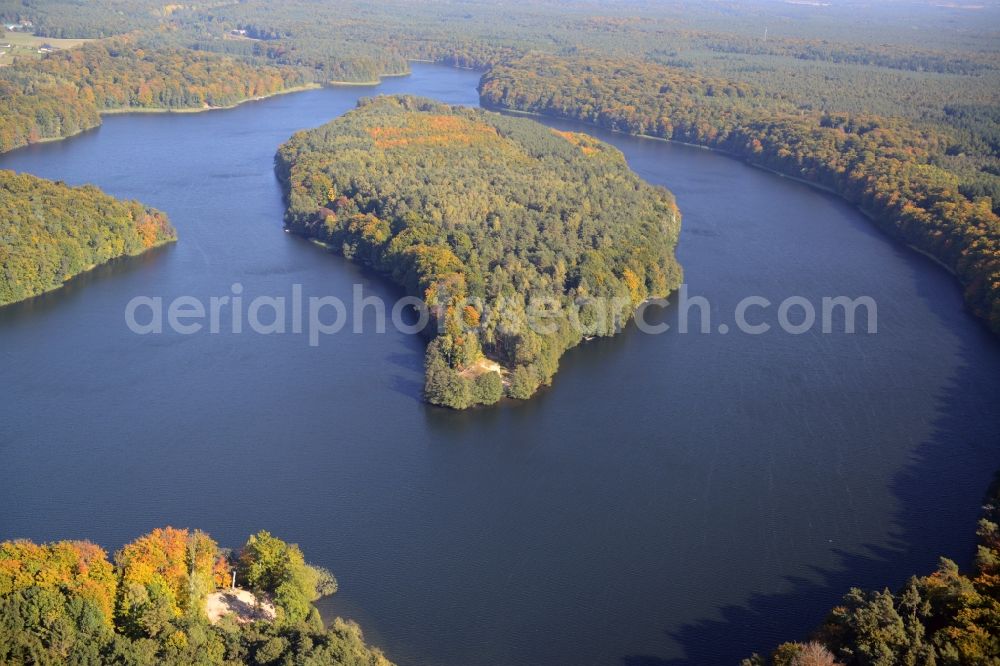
{"points": [[241, 603]]}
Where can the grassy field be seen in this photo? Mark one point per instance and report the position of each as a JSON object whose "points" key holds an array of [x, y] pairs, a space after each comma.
{"points": [[23, 43]]}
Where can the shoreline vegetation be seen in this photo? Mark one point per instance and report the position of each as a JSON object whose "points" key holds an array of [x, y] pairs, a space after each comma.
{"points": [[373, 82], [35, 138], [82, 273], [258, 98], [849, 157], [745, 160], [949, 618], [718, 151], [54, 233], [67, 92], [167, 598], [534, 218]]}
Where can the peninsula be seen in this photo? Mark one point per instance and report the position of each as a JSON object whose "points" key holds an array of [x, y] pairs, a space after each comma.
{"points": [[521, 240], [52, 232]]}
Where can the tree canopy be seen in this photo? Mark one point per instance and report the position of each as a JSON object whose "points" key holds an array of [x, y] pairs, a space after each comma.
{"points": [[65, 602], [486, 218], [50, 232], [891, 168], [66, 91]]}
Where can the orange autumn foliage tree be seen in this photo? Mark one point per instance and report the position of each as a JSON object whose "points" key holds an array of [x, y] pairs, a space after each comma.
{"points": [[64, 603], [170, 569], [470, 316], [433, 130], [70, 567]]}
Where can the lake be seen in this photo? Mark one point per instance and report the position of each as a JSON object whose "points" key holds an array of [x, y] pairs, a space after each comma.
{"points": [[671, 499]]}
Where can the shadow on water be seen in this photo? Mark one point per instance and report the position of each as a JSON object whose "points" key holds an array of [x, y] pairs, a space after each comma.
{"points": [[75, 288], [407, 387], [928, 524], [405, 384]]}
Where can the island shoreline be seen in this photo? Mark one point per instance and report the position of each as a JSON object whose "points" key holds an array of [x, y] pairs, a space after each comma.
{"points": [[727, 153]]}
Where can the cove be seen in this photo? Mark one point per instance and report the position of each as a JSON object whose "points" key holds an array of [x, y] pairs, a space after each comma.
{"points": [[672, 499]]}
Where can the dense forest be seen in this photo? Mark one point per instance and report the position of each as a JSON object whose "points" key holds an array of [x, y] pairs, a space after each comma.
{"points": [[65, 92], [947, 618], [66, 603], [889, 56], [50, 232], [92, 19], [891, 168], [884, 60], [487, 218]]}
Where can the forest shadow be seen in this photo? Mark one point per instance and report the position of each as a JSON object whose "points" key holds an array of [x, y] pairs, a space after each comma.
{"points": [[404, 384], [76, 287], [939, 494], [407, 387]]}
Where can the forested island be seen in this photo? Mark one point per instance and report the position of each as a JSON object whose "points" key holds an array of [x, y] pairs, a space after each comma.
{"points": [[67, 603], [51, 232], [947, 618], [487, 218]]}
